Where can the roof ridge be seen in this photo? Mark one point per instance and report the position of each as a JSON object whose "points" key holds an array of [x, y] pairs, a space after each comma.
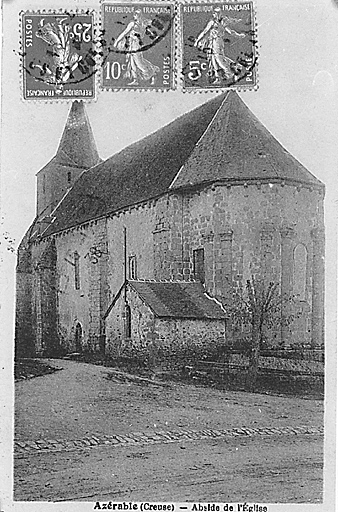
{"points": [[238, 145], [288, 153], [208, 144], [201, 137], [215, 300], [164, 127], [213, 118]]}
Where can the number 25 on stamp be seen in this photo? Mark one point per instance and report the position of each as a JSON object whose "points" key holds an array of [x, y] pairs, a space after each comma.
{"points": [[58, 55]]}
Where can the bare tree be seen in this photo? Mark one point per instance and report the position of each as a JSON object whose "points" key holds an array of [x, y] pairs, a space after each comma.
{"points": [[258, 306]]}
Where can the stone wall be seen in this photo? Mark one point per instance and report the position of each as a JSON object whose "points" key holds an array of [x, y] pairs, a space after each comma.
{"points": [[85, 301], [52, 183], [170, 332], [70, 303], [142, 325], [152, 333], [99, 249], [44, 299], [278, 363], [273, 231], [24, 337], [140, 223], [255, 230]]}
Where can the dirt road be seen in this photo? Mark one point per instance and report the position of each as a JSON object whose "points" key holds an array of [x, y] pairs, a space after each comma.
{"points": [[241, 447]]}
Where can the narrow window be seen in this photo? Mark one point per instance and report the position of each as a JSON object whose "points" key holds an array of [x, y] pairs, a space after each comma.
{"points": [[132, 268], [69, 177], [44, 184], [78, 338], [299, 272], [198, 257], [77, 270], [128, 321]]}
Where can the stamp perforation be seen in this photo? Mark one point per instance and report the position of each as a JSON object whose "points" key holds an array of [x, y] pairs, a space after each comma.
{"points": [[73, 12], [177, 47], [180, 35], [173, 47]]}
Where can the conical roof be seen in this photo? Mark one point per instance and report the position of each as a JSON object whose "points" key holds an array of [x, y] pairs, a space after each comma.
{"points": [[77, 142], [77, 148], [139, 172], [221, 140], [236, 147]]}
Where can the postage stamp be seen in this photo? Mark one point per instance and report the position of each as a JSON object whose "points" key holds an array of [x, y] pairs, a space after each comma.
{"points": [[138, 45], [58, 55], [218, 45]]}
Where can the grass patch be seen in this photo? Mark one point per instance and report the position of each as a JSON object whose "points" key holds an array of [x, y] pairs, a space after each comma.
{"points": [[30, 368]]}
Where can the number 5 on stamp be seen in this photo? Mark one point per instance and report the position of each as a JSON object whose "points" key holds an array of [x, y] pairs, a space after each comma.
{"points": [[137, 45], [58, 56], [219, 45]]}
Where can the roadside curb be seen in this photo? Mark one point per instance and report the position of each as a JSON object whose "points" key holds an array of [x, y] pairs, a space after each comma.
{"points": [[26, 448]]}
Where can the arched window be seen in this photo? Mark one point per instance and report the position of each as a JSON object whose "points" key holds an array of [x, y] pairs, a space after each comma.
{"points": [[132, 268], [299, 271], [198, 260], [128, 321]]}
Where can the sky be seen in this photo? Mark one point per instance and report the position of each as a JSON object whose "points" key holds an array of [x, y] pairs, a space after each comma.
{"points": [[296, 100]]}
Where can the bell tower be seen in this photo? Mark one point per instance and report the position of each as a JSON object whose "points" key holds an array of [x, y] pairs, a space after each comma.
{"points": [[76, 153]]}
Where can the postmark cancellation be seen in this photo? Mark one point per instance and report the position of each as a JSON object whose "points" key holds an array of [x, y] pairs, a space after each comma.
{"points": [[58, 55], [138, 45], [135, 48], [219, 47]]}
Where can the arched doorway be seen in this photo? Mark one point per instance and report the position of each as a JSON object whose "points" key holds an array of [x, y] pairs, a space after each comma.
{"points": [[78, 338]]}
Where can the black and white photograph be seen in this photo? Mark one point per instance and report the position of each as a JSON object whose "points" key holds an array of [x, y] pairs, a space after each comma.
{"points": [[168, 255]]}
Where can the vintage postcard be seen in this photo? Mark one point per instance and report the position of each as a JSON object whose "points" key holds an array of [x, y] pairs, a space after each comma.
{"points": [[168, 220]]}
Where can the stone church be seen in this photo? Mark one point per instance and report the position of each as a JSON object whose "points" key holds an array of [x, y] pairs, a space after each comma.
{"points": [[149, 245]]}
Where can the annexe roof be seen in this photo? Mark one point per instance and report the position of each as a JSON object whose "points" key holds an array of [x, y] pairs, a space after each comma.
{"points": [[178, 299], [219, 141]]}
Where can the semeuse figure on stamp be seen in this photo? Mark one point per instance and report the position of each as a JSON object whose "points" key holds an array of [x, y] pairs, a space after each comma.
{"points": [[65, 61], [211, 40], [130, 40]]}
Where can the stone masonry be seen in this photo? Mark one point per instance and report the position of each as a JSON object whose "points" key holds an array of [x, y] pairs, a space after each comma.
{"points": [[240, 208]]}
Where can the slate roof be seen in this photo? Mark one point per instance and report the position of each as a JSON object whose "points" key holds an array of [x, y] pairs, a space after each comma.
{"points": [[77, 148], [76, 153], [139, 172], [178, 299], [237, 147], [219, 141]]}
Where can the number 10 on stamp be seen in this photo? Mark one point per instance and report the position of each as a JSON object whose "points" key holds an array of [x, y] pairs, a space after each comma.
{"points": [[138, 46]]}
